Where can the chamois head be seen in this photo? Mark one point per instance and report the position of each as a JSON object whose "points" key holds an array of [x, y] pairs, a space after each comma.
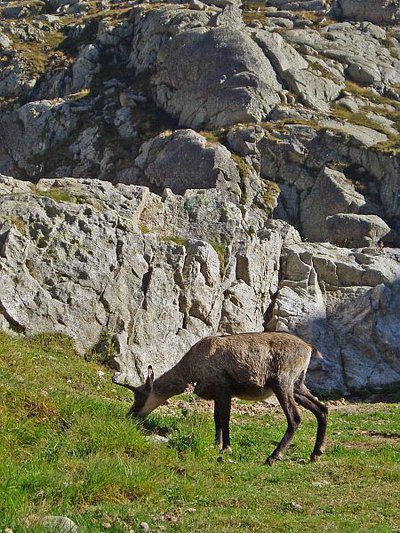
{"points": [[142, 395]]}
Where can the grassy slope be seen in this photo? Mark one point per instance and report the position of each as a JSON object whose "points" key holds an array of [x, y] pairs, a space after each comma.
{"points": [[66, 448]]}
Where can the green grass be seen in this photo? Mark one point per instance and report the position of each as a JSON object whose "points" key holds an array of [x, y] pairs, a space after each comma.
{"points": [[176, 239], [17, 222], [220, 248], [57, 194], [66, 448]]}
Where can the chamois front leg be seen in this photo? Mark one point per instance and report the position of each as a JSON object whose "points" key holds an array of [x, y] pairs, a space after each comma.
{"points": [[222, 414]]}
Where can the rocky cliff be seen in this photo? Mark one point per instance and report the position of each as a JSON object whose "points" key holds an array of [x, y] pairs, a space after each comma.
{"points": [[185, 169]]}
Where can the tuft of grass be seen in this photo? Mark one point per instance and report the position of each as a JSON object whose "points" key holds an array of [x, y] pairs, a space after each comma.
{"points": [[365, 92], [58, 195], [84, 93], [66, 448], [244, 173], [242, 165], [104, 351], [359, 119], [271, 193], [145, 229], [174, 238], [321, 71], [214, 136], [220, 248], [391, 146], [17, 222]]}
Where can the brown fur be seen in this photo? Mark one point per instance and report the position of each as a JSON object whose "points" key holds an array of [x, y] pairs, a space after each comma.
{"points": [[250, 366]]}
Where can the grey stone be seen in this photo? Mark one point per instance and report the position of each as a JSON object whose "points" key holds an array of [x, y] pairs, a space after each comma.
{"points": [[185, 160], [364, 74], [281, 54], [313, 89], [59, 524], [236, 84], [332, 193], [5, 42], [85, 67], [119, 260], [356, 231]]}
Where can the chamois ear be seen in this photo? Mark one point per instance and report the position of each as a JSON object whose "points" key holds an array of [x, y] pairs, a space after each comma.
{"points": [[150, 377]]}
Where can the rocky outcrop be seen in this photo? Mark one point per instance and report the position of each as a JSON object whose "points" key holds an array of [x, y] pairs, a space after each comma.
{"points": [[115, 261], [236, 84], [185, 160], [331, 194], [345, 300], [376, 11], [356, 231], [140, 278], [294, 158]]}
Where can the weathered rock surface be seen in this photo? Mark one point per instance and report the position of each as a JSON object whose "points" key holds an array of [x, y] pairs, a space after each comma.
{"points": [[236, 84], [332, 193], [339, 298], [85, 268], [377, 11], [356, 231], [112, 267], [185, 160]]}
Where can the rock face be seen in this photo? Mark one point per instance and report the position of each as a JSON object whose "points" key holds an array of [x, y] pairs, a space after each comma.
{"points": [[376, 11], [93, 266], [184, 160], [340, 298], [236, 84], [356, 231], [232, 167], [331, 194], [113, 268]]}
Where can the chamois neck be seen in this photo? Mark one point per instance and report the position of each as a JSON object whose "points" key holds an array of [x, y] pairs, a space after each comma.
{"points": [[172, 382]]}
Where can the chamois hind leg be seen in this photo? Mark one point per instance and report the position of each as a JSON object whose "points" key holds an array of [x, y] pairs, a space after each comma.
{"points": [[284, 393], [222, 414], [304, 397]]}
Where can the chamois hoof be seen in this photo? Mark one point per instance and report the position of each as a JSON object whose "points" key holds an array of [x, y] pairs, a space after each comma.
{"points": [[227, 450], [271, 460], [314, 457]]}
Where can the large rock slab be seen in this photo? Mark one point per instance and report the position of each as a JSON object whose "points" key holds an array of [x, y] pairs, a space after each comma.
{"points": [[236, 84], [143, 277], [331, 194], [185, 160], [356, 231]]}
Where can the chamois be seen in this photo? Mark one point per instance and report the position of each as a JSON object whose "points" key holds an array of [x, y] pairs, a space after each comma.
{"points": [[249, 366]]}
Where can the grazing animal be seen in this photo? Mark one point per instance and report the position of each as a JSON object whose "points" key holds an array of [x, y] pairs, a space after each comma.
{"points": [[250, 366]]}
